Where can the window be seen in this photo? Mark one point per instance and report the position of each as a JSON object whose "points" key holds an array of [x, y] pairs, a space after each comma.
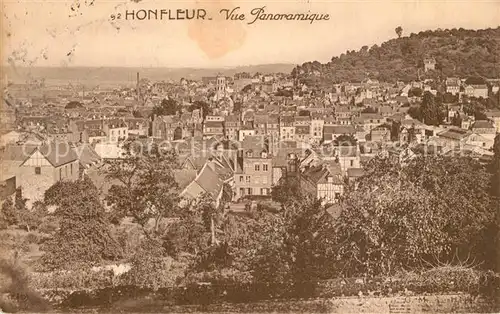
{"points": [[249, 190], [257, 167], [264, 167], [38, 170], [71, 168], [263, 191], [247, 179], [241, 178], [352, 163]]}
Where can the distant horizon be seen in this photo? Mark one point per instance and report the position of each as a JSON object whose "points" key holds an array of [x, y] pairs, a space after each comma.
{"points": [[55, 34], [153, 67], [215, 67]]}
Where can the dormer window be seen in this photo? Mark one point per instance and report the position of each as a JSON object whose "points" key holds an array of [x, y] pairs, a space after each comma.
{"points": [[263, 154], [329, 179]]}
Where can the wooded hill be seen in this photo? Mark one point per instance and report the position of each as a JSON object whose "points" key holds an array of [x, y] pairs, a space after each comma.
{"points": [[458, 52]]}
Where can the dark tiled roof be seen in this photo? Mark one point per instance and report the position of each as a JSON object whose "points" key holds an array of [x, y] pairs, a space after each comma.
{"points": [[482, 124], [184, 177], [209, 181], [87, 155], [17, 152], [58, 154], [493, 113], [338, 129], [214, 124], [256, 143], [319, 174], [454, 133]]}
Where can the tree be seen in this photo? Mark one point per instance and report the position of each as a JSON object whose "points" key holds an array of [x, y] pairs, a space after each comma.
{"points": [[151, 268], [345, 140], [395, 130], [9, 214], [432, 112], [84, 236], [369, 110], [73, 105], [460, 189], [496, 195], [408, 216], [496, 167], [286, 190], [379, 230], [399, 31], [477, 109], [167, 107], [456, 120], [415, 91], [203, 106], [415, 113], [28, 218], [247, 89], [146, 189]]}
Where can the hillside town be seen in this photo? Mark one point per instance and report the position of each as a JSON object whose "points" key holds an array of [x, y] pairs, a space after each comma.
{"points": [[367, 183], [248, 131]]}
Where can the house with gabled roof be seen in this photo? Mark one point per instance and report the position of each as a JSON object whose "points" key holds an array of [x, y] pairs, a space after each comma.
{"points": [[330, 133], [484, 128], [206, 182], [46, 165], [323, 181]]}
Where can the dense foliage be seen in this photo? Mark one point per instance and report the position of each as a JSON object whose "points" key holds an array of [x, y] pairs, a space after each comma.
{"points": [[435, 209], [457, 52], [167, 107], [84, 236], [145, 187]]}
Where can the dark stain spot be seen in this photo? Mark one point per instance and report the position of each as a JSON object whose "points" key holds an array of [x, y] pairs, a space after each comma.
{"points": [[9, 34], [136, 1]]}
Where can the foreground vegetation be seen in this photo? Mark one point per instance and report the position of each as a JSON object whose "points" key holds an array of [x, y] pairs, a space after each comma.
{"points": [[428, 225]]}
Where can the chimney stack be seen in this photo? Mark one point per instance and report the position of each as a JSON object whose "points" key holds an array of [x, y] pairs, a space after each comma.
{"points": [[137, 86]]}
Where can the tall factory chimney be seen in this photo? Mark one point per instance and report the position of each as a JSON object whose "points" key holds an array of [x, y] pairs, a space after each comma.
{"points": [[137, 87]]}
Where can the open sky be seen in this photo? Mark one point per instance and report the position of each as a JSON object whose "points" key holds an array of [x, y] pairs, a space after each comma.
{"points": [[81, 33]]}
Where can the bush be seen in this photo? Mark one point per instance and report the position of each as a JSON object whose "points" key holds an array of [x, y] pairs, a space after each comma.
{"points": [[74, 280], [151, 268], [49, 225]]}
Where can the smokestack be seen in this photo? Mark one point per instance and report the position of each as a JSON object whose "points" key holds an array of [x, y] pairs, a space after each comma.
{"points": [[137, 86]]}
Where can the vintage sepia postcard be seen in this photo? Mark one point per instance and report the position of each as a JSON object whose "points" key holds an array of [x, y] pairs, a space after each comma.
{"points": [[225, 156]]}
